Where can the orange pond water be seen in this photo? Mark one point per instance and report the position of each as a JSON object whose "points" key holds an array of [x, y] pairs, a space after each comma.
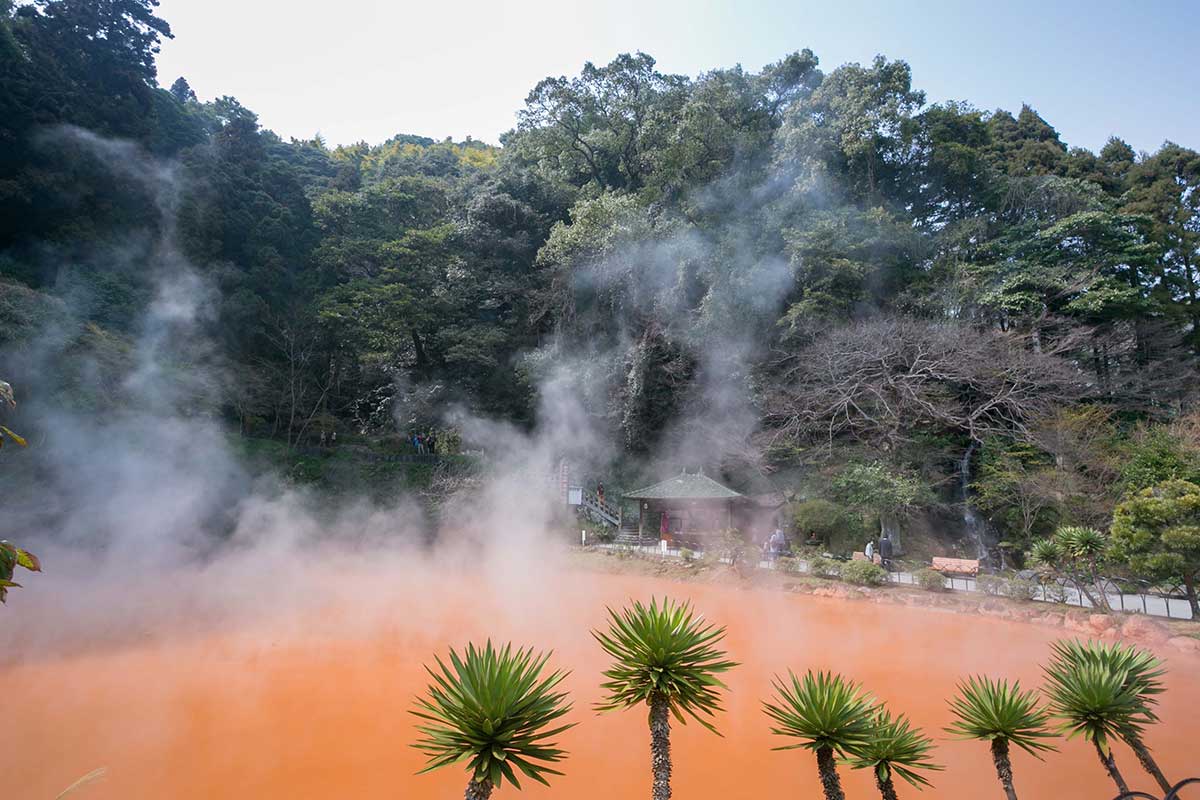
{"points": [[311, 702]]}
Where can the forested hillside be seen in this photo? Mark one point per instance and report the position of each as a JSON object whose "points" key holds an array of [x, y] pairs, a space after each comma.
{"points": [[753, 271]]}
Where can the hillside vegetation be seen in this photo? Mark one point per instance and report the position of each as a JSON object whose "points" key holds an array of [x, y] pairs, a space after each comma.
{"points": [[809, 279]]}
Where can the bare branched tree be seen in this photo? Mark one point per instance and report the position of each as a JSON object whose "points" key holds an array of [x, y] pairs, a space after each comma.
{"points": [[882, 380], [305, 379]]}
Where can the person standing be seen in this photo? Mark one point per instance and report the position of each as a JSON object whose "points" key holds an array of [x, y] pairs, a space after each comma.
{"points": [[433, 443], [870, 550], [885, 552], [600, 493], [776, 545]]}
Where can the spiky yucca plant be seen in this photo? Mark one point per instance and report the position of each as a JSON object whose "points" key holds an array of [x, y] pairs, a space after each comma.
{"points": [[1143, 677], [1098, 702], [828, 714], [1085, 548], [666, 657], [493, 707], [1002, 715], [894, 746]]}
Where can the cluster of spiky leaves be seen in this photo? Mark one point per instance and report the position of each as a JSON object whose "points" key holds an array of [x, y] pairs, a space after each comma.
{"points": [[1070, 547], [894, 745], [821, 709], [1081, 543], [664, 650], [495, 708], [12, 557], [990, 709], [1143, 670], [1100, 692], [1045, 553]]}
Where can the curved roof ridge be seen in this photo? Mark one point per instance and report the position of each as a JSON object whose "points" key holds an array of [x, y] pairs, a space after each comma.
{"points": [[685, 485]]}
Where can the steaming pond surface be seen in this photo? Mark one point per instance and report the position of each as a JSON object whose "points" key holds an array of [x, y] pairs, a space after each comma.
{"points": [[312, 701]]}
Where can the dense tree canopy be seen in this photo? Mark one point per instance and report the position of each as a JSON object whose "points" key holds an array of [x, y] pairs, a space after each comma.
{"points": [[749, 262]]}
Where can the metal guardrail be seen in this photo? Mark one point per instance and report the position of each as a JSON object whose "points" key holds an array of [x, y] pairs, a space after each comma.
{"points": [[1171, 795], [607, 513], [1159, 601]]}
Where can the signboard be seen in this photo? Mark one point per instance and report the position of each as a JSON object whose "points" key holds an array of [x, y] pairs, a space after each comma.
{"points": [[574, 495]]}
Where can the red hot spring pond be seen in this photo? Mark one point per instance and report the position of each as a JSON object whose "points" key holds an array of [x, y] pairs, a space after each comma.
{"points": [[298, 687]]}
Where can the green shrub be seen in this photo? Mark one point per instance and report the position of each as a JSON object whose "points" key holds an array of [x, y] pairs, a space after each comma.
{"points": [[824, 567], [837, 527], [990, 584], [787, 564], [863, 573], [1021, 589], [731, 545], [687, 555], [930, 580]]}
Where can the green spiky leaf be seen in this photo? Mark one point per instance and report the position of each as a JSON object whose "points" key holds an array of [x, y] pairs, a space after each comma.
{"points": [[664, 650], [1095, 693], [493, 708], [894, 745], [820, 710], [988, 709]]}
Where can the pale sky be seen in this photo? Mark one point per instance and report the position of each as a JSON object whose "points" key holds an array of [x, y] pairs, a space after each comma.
{"points": [[368, 69]]}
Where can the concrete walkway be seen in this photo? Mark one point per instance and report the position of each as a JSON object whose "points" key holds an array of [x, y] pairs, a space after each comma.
{"points": [[1149, 604]]}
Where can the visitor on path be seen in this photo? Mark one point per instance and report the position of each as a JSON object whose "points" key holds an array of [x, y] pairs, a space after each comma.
{"points": [[870, 550], [776, 545], [813, 540], [433, 443], [885, 552], [416, 442], [600, 493]]}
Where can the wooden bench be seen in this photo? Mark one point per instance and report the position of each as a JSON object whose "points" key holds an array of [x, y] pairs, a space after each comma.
{"points": [[861, 556], [956, 566]]}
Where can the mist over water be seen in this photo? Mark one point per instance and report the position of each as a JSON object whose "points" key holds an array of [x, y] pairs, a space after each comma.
{"points": [[203, 629], [301, 688]]}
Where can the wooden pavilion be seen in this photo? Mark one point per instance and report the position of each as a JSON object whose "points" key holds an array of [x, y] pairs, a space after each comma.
{"points": [[685, 509]]}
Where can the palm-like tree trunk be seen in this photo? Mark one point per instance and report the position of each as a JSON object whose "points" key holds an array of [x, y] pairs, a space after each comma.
{"points": [[479, 790], [1148, 763], [827, 766], [1110, 766], [660, 746], [1003, 767], [887, 789]]}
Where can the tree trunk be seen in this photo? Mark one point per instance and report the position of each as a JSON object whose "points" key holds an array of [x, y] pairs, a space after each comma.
{"points": [[1104, 605], [479, 790], [1081, 585], [887, 789], [419, 349], [1149, 764], [1189, 588], [827, 766], [1003, 767], [660, 746], [1110, 766]]}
